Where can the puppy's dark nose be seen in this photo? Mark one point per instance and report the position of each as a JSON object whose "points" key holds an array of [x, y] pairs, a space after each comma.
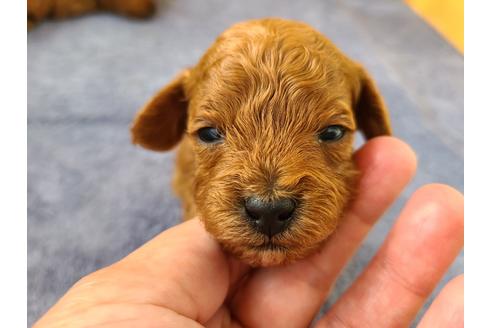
{"points": [[270, 217]]}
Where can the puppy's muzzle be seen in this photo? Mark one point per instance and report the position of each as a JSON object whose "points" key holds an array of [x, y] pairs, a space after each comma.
{"points": [[270, 217]]}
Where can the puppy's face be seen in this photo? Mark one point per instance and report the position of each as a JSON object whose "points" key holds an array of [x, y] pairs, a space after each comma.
{"points": [[270, 112]]}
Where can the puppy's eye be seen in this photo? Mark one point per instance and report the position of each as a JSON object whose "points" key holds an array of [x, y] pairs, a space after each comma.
{"points": [[332, 133], [209, 135]]}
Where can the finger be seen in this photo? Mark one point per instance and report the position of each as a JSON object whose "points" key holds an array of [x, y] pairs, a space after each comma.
{"points": [[189, 268], [447, 309], [421, 246], [386, 164], [222, 318], [183, 269]]}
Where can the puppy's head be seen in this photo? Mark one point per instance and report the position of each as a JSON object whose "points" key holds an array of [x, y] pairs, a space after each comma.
{"points": [[270, 110]]}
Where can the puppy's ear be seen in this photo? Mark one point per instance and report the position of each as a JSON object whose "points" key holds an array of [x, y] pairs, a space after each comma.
{"points": [[370, 111], [160, 124]]}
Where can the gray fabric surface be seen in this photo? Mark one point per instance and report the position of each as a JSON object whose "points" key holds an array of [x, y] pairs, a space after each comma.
{"points": [[93, 197]]}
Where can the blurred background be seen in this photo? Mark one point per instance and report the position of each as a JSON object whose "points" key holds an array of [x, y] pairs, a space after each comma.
{"points": [[93, 197]]}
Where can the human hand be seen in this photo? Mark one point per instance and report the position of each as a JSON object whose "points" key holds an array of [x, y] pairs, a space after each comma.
{"points": [[182, 278]]}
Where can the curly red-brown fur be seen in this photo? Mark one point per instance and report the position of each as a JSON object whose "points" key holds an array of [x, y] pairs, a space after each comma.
{"points": [[270, 86], [38, 10]]}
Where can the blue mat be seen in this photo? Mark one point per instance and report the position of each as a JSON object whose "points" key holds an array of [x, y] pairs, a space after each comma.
{"points": [[93, 197]]}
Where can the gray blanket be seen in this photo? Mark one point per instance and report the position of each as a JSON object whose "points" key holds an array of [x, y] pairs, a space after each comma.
{"points": [[93, 197]]}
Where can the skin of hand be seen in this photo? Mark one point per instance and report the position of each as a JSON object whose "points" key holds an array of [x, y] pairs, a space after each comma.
{"points": [[181, 278]]}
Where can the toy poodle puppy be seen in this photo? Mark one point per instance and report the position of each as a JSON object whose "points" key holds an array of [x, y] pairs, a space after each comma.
{"points": [[265, 123], [38, 10]]}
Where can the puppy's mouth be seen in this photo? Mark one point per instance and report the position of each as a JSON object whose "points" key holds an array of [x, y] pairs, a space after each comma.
{"points": [[270, 246]]}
